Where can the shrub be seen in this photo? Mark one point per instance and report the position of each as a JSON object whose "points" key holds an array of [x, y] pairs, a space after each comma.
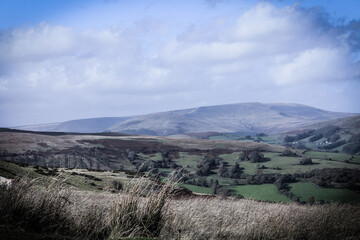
{"points": [[140, 210], [289, 153], [310, 200], [117, 185], [305, 161]]}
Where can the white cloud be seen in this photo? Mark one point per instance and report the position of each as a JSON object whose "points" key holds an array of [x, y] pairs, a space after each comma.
{"points": [[311, 65], [265, 52]]}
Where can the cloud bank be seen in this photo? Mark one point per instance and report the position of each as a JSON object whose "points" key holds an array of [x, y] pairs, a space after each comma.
{"points": [[52, 73]]}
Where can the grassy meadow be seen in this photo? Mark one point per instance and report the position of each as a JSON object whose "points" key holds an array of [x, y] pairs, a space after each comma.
{"points": [[263, 192], [144, 210], [305, 190]]}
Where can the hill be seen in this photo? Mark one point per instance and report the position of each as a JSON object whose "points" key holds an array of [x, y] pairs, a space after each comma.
{"points": [[90, 125], [246, 118], [348, 123], [338, 135]]}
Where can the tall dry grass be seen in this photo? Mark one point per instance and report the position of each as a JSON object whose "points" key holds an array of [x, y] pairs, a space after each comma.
{"points": [[141, 210], [145, 209], [246, 219], [27, 207]]}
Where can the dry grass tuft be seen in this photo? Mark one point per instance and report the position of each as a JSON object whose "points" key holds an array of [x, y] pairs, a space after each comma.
{"points": [[29, 207], [47, 208], [143, 209], [140, 210]]}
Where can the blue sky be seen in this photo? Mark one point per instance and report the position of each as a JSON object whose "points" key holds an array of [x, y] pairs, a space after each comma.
{"points": [[63, 60]]}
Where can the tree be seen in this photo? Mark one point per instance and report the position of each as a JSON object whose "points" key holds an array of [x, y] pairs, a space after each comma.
{"points": [[305, 161], [288, 139], [256, 157], [288, 153], [214, 186], [310, 200]]}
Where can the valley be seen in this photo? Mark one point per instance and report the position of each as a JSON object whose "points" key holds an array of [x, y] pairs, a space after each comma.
{"points": [[262, 165], [242, 169]]}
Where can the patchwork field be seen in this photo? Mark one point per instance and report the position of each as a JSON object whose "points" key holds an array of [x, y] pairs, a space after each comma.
{"points": [[110, 187], [252, 170]]}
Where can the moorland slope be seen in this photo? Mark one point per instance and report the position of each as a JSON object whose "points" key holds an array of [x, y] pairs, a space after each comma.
{"points": [[246, 118]]}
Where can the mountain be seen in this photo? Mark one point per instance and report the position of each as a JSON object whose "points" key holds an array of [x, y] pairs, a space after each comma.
{"points": [[247, 118], [90, 125], [244, 117]]}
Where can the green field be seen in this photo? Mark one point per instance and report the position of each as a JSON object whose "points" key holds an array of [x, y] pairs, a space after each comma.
{"points": [[11, 170], [154, 156], [272, 139], [224, 137], [168, 170], [341, 157], [290, 164], [305, 190], [260, 192], [186, 160], [249, 168], [196, 189]]}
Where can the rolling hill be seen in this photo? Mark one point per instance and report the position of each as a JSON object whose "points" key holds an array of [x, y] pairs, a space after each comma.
{"points": [[90, 125], [340, 135], [248, 118]]}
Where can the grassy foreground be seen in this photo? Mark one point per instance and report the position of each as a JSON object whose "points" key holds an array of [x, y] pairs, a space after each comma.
{"points": [[144, 209]]}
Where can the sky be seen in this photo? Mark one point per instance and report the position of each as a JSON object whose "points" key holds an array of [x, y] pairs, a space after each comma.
{"points": [[64, 59]]}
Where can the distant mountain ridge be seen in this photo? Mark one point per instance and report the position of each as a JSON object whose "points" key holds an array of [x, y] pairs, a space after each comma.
{"points": [[89, 125], [242, 117]]}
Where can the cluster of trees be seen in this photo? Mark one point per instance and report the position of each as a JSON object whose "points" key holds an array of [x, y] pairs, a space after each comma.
{"points": [[333, 140], [261, 135], [353, 146], [298, 137], [305, 161], [261, 178], [328, 132], [202, 182], [316, 137], [289, 153], [234, 172], [332, 177], [282, 186], [253, 156], [207, 165], [325, 132], [333, 145]]}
